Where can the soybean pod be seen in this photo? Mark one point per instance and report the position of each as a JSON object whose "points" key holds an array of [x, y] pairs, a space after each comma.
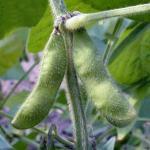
{"points": [[37, 105], [107, 97]]}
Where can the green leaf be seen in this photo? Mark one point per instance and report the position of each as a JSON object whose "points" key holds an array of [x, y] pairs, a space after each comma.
{"points": [[79, 5], [4, 144], [14, 73], [125, 64], [14, 102], [142, 91], [41, 32], [112, 4], [145, 51], [11, 48], [16, 13]]}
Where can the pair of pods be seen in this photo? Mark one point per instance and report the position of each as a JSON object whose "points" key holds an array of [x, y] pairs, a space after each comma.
{"points": [[111, 102]]}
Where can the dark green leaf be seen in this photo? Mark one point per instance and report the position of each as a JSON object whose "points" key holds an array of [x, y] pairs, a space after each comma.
{"points": [[16, 13]]}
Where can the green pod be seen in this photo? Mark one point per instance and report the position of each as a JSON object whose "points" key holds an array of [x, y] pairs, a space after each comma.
{"points": [[41, 99], [111, 102]]}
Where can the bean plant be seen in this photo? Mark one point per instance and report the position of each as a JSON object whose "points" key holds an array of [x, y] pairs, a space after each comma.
{"points": [[109, 81]]}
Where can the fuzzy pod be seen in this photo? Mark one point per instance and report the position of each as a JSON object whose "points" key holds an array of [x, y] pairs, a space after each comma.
{"points": [[111, 102], [37, 105]]}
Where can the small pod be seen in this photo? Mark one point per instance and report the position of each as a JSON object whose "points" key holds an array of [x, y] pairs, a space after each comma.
{"points": [[37, 105], [111, 102]]}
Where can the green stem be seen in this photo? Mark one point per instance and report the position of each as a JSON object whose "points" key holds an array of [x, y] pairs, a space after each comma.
{"points": [[74, 100], [57, 137], [16, 85], [10, 118], [62, 140], [111, 42], [39, 130], [21, 137], [84, 19], [58, 7], [143, 119], [142, 138], [108, 132], [7, 136], [27, 140]]}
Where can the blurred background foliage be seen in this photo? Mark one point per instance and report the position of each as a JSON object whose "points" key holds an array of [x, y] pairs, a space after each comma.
{"points": [[125, 44]]}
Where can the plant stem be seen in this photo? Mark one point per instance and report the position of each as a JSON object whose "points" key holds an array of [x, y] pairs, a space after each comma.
{"points": [[55, 134], [16, 85], [142, 138], [10, 118], [84, 19], [111, 42], [102, 136], [27, 140], [74, 100], [58, 7], [143, 119], [60, 139], [21, 137]]}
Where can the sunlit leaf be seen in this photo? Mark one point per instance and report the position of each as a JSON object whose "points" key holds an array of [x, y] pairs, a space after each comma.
{"points": [[125, 64], [16, 13]]}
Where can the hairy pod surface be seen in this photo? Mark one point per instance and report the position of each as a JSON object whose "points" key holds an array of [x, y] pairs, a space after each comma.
{"points": [[111, 102], [41, 99]]}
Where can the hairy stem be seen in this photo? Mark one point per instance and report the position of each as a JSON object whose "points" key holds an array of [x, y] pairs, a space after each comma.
{"points": [[84, 19], [58, 7], [74, 100]]}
